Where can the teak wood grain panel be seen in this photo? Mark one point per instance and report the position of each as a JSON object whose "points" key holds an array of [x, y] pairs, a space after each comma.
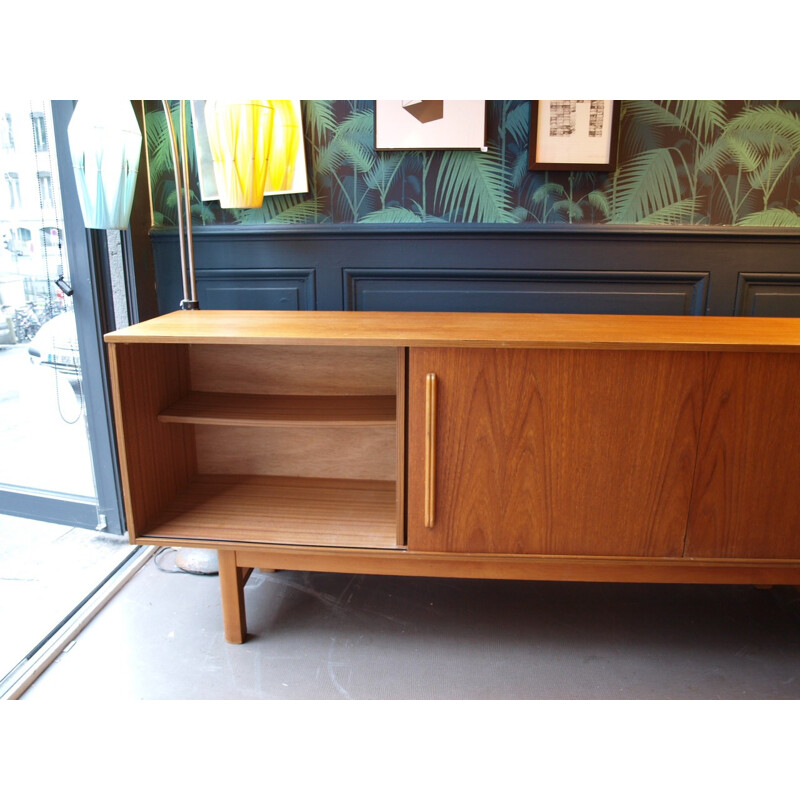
{"points": [[437, 329], [520, 567], [248, 508], [368, 453], [293, 410], [302, 370], [746, 503], [556, 452], [156, 460], [401, 354]]}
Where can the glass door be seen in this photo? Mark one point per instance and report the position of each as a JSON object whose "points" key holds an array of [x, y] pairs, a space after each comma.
{"points": [[58, 459], [61, 515], [43, 430]]}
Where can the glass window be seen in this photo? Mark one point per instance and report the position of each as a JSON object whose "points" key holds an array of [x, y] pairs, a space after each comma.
{"points": [[6, 132], [51, 237], [39, 132], [46, 189], [23, 237], [14, 197]]}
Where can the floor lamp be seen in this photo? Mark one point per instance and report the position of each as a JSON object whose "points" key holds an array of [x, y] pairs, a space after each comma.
{"points": [[240, 138], [253, 147], [180, 165], [189, 559]]}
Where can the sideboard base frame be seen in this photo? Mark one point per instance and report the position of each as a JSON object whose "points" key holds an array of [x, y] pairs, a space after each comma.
{"points": [[235, 567]]}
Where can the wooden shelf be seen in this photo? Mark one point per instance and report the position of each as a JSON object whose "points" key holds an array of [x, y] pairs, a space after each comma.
{"points": [[303, 511], [217, 408]]}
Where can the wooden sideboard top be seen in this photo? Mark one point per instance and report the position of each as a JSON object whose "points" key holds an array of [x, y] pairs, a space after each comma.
{"points": [[458, 329]]}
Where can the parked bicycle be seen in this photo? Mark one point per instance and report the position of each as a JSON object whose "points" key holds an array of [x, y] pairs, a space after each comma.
{"points": [[27, 319]]}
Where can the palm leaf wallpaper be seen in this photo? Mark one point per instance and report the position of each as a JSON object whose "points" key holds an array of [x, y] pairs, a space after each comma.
{"points": [[681, 162]]}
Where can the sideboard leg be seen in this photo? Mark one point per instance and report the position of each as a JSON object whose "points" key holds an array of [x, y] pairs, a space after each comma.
{"points": [[232, 580]]}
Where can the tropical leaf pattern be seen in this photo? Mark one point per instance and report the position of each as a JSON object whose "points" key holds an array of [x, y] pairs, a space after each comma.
{"points": [[643, 185], [680, 162], [470, 185]]}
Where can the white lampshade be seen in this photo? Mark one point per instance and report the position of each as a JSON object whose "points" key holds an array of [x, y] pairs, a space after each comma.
{"points": [[105, 143]]}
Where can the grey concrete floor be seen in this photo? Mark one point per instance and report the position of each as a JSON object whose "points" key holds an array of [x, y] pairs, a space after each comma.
{"points": [[45, 571], [325, 636]]}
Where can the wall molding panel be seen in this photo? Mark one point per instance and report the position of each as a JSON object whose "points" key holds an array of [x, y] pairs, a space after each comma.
{"points": [[273, 290], [532, 291], [560, 268], [768, 295]]}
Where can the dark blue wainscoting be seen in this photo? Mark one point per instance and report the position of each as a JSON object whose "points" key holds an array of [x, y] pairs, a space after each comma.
{"points": [[566, 269], [530, 291], [768, 295], [259, 288]]}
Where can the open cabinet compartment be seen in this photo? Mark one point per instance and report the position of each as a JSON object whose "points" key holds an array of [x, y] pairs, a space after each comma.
{"points": [[237, 443]]}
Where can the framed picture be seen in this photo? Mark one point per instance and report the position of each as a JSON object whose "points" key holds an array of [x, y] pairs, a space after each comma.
{"points": [[430, 125], [574, 135], [205, 165]]}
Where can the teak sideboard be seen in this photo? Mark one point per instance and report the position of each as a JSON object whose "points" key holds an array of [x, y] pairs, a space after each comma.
{"points": [[521, 446]]}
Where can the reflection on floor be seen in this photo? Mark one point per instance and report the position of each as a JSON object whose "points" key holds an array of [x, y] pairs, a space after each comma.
{"points": [[45, 571], [322, 636]]}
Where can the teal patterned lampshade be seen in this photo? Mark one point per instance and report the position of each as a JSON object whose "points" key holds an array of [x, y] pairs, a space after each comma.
{"points": [[105, 143]]}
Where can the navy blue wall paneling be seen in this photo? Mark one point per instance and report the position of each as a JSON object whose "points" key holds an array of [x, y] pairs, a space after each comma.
{"points": [[601, 292], [768, 295], [590, 269], [271, 290]]}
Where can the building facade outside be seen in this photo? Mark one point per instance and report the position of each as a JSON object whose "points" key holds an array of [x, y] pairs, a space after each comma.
{"points": [[31, 225]]}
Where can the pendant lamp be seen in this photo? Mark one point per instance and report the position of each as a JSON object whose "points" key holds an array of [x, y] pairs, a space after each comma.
{"points": [[240, 135], [283, 150], [105, 143]]}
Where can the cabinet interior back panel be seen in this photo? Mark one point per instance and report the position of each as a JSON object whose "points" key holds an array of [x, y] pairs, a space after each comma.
{"points": [[276, 369], [351, 453]]}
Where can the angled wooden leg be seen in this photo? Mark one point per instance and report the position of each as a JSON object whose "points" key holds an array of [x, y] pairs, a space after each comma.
{"points": [[232, 580]]}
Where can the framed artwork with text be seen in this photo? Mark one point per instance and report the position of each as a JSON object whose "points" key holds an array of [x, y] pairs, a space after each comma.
{"points": [[574, 135]]}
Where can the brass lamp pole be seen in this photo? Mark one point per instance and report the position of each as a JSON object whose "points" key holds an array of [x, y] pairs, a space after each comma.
{"points": [[181, 165]]}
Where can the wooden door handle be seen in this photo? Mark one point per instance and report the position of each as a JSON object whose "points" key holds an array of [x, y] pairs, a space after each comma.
{"points": [[430, 449]]}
